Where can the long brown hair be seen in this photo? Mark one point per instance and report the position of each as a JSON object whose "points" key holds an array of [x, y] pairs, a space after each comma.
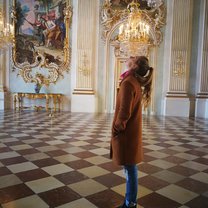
{"points": [[144, 74]]}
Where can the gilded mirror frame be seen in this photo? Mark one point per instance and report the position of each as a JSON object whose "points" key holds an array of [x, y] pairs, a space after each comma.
{"points": [[41, 39]]}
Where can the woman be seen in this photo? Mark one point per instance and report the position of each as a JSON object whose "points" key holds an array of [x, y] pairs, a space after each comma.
{"points": [[126, 142]]}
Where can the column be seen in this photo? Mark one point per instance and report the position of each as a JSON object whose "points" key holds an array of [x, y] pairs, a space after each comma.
{"points": [[202, 65], [1, 83], [2, 64], [84, 66], [177, 102]]}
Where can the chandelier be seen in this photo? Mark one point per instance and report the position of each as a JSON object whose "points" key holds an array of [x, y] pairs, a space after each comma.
{"points": [[134, 34], [6, 33]]}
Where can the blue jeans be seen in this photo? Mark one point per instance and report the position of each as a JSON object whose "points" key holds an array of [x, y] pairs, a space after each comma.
{"points": [[131, 172]]}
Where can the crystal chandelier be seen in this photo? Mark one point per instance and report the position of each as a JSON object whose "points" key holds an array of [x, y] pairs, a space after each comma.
{"points": [[134, 35], [6, 33]]}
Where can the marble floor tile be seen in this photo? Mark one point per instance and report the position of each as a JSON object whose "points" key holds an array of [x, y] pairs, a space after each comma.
{"points": [[168, 176], [194, 165], [71, 177], [59, 196], [4, 170], [100, 151], [21, 147], [57, 169], [97, 160], [162, 164], [152, 182], [16, 168], [110, 180], [179, 148], [157, 154], [175, 192], [12, 193], [154, 147], [202, 177], [198, 202], [9, 180], [157, 201], [10, 154], [45, 162], [186, 156], [44, 184], [36, 156], [32, 175], [30, 201], [87, 187], [93, 171], [105, 199], [80, 203], [66, 158], [193, 185]]}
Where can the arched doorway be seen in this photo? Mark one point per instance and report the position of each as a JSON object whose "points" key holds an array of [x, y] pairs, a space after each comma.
{"points": [[115, 65], [111, 19]]}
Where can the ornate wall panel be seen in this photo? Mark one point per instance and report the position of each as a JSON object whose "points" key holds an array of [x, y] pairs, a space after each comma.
{"points": [[181, 42], [84, 78], [41, 30], [86, 47]]}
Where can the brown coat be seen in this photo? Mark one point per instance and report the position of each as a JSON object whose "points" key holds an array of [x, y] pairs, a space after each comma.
{"points": [[126, 141]]}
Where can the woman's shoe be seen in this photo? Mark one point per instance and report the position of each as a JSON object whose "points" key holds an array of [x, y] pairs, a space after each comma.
{"points": [[124, 206]]}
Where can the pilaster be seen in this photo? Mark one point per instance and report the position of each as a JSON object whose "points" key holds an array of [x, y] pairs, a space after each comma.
{"points": [[2, 99], [2, 81], [202, 68], [177, 102], [4, 64], [85, 68]]}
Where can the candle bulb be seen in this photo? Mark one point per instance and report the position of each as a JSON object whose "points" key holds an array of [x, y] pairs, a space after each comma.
{"points": [[12, 29], [148, 29], [121, 29]]}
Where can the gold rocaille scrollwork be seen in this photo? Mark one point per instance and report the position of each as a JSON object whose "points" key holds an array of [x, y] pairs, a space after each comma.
{"points": [[111, 18], [54, 70]]}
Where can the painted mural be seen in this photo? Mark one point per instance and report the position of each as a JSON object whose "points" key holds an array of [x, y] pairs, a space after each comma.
{"points": [[40, 28]]}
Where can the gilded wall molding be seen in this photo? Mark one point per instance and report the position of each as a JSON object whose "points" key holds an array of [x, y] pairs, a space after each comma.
{"points": [[48, 49]]}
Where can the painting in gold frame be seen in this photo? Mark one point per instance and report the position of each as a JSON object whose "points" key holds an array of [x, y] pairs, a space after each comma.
{"points": [[41, 31]]}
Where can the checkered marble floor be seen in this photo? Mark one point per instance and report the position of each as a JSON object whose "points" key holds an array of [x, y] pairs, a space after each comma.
{"points": [[63, 161]]}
